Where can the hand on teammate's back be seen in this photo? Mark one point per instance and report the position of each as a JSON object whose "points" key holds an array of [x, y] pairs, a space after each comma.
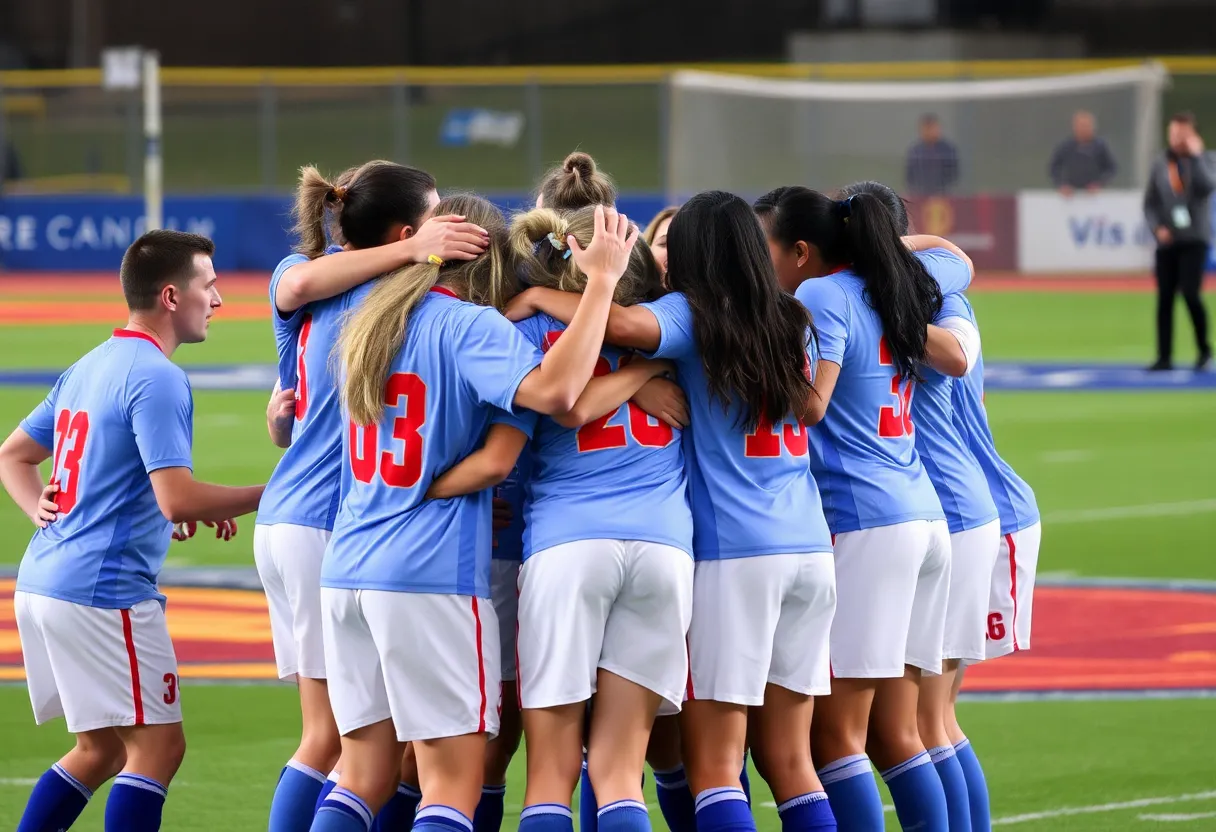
{"points": [[663, 399], [608, 255], [449, 237]]}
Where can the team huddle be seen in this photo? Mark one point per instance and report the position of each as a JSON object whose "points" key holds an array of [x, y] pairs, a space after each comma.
{"points": [[640, 498]]}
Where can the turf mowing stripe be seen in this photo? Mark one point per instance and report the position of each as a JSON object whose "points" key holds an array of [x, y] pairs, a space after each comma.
{"points": [[1177, 818], [1102, 807], [1181, 508]]}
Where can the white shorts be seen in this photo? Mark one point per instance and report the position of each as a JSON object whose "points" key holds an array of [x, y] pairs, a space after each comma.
{"points": [[428, 662], [1012, 594], [289, 564], [892, 583], [623, 605], [504, 592], [972, 558], [97, 668], [761, 620]]}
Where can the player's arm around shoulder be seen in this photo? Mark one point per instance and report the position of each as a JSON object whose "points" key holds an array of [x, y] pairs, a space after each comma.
{"points": [[485, 467]]}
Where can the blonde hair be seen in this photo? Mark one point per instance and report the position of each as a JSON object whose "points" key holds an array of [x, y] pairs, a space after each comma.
{"points": [[539, 246], [372, 336], [575, 184], [359, 207], [652, 230]]}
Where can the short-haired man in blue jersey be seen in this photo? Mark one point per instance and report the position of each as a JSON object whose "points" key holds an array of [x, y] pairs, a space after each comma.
{"points": [[118, 425]]}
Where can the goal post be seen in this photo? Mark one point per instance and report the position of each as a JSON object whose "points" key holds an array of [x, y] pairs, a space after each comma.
{"points": [[748, 134], [153, 164]]}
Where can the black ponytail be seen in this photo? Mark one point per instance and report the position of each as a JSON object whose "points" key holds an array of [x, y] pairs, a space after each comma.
{"points": [[860, 232]]}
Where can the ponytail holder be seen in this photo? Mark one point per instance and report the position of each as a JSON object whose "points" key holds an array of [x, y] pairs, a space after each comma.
{"points": [[845, 209], [434, 259], [339, 193], [558, 245]]}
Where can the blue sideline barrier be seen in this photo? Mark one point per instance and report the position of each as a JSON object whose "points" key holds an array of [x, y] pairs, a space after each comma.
{"points": [[90, 233]]}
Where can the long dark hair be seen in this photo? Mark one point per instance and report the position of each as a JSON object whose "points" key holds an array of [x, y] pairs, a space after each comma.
{"points": [[752, 336], [860, 232], [886, 194]]}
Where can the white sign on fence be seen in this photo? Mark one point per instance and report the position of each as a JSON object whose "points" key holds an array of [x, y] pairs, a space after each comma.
{"points": [[1086, 232]]}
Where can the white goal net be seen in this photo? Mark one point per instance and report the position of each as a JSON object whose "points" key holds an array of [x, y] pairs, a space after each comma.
{"points": [[747, 135]]}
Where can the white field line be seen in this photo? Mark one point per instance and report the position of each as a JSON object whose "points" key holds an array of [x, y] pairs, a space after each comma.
{"points": [[1103, 807], [1177, 818], [1095, 515]]}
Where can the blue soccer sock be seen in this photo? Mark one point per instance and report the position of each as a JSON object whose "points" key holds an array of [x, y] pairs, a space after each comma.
{"points": [[587, 807], [342, 811], [328, 786], [398, 814], [724, 809], [954, 784], [745, 781], [675, 800], [920, 800], [488, 817], [546, 817], [623, 816], [57, 800], [853, 794], [440, 818], [135, 804], [810, 812], [977, 786], [295, 798]]}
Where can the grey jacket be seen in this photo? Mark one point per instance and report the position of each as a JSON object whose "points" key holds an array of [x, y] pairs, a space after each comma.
{"points": [[1198, 174]]}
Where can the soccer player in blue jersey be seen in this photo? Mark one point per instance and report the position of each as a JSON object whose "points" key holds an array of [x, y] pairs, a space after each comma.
{"points": [[951, 351], [380, 210], [763, 593], [607, 562], [118, 425], [872, 302], [411, 648]]}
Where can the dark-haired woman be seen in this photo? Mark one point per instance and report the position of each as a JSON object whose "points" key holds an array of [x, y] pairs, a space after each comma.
{"points": [[763, 592], [380, 211], [872, 301]]}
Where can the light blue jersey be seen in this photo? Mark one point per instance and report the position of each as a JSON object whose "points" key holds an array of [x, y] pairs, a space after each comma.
{"points": [[943, 448], [620, 477], [863, 452], [458, 362], [304, 488], [751, 494], [1014, 499], [509, 542], [116, 415]]}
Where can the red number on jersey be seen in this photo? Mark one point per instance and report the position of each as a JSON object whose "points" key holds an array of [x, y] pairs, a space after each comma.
{"points": [[890, 423], [170, 695], [598, 435], [365, 439], [765, 443], [302, 368], [413, 390], [74, 428], [657, 434]]}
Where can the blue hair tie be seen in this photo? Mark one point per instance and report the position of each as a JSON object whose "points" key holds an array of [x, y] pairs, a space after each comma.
{"points": [[558, 245], [845, 208]]}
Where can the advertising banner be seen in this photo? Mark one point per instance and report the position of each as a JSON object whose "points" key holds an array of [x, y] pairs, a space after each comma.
{"points": [[983, 226], [1102, 232]]}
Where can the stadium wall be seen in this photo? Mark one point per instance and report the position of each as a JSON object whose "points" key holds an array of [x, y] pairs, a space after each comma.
{"points": [[1032, 231]]}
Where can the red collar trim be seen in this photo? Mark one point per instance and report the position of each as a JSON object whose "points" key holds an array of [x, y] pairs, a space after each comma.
{"points": [[130, 333], [846, 267], [444, 290]]}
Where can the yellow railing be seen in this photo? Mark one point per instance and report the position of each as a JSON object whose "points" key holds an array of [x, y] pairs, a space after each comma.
{"points": [[578, 75]]}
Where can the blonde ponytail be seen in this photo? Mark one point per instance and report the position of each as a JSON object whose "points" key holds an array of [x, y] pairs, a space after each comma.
{"points": [[314, 196], [541, 250], [374, 334]]}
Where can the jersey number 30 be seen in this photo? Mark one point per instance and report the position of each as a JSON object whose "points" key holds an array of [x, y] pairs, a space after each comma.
{"points": [[364, 459], [74, 428], [893, 423]]}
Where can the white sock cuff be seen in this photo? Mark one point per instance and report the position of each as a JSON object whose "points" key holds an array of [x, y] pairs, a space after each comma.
{"points": [[306, 770], [546, 809], [942, 752], [802, 800], [921, 759], [447, 813], [72, 781], [620, 804], [712, 796], [409, 791], [845, 768]]}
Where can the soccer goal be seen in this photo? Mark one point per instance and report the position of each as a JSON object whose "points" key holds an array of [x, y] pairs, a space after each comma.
{"points": [[747, 134]]}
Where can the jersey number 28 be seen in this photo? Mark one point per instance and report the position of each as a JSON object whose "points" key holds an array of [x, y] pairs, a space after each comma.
{"points": [[364, 459]]}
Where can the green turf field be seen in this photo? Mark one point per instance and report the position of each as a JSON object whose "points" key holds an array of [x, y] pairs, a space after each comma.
{"points": [[1039, 756], [1125, 481]]}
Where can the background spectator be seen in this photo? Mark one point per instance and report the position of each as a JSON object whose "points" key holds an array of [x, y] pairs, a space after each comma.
{"points": [[932, 166], [1083, 160], [1177, 207]]}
